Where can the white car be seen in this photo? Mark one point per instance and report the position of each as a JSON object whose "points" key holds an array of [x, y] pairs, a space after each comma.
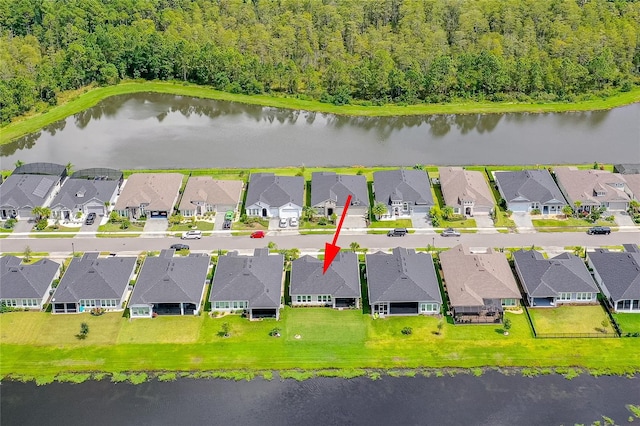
{"points": [[293, 221], [283, 223], [192, 235]]}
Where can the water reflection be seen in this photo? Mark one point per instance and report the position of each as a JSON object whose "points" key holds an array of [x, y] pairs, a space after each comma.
{"points": [[141, 130]]}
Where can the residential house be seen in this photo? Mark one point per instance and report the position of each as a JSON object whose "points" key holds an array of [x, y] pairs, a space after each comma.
{"points": [[79, 197], [26, 286], [149, 194], [618, 275], [402, 283], [633, 186], [170, 285], [625, 169], [528, 190], [338, 287], [404, 192], [275, 196], [91, 282], [329, 193], [479, 285], [29, 186], [552, 282], [589, 189], [253, 284], [466, 191], [203, 194]]}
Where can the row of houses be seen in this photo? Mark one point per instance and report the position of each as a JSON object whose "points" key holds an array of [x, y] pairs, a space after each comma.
{"points": [[404, 192], [478, 286]]}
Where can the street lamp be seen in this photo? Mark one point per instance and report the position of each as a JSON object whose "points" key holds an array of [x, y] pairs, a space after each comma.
{"points": [[433, 243], [73, 250]]}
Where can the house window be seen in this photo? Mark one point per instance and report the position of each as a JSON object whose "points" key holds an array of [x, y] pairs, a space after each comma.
{"points": [[324, 298], [565, 296], [9, 302], [140, 311], [381, 308], [509, 302], [88, 303], [405, 207], [29, 302], [303, 299], [109, 303], [428, 307]]}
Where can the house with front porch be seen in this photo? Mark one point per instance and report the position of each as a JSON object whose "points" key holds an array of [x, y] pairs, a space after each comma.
{"points": [[29, 186], [465, 191], [479, 285], [618, 275], [589, 189], [402, 283], [270, 196], [338, 287], [252, 284], [92, 282], [170, 285], [152, 195], [527, 190], [551, 282], [79, 197], [329, 192], [26, 286], [404, 192], [203, 194]]}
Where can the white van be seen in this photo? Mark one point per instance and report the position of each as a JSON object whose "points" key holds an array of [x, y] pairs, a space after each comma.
{"points": [[192, 235]]}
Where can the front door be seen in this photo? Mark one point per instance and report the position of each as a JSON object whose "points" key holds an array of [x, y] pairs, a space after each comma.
{"points": [[264, 212]]}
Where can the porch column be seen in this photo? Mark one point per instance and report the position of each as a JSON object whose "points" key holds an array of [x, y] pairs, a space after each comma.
{"points": [[181, 308]]}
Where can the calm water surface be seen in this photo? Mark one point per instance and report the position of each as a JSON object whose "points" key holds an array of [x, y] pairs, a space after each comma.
{"points": [[492, 399], [154, 131]]}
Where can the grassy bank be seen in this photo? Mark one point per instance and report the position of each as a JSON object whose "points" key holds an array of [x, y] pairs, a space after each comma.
{"points": [[37, 344], [91, 96]]}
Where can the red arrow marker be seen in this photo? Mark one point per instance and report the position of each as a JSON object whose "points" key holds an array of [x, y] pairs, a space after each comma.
{"points": [[331, 250]]}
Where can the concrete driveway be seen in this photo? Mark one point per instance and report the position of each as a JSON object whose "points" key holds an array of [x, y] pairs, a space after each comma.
{"points": [[156, 225], [623, 219], [219, 221], [23, 226], [421, 220], [523, 222], [484, 223], [354, 222]]}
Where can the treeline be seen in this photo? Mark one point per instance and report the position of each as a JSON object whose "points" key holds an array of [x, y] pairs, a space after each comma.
{"points": [[341, 51]]}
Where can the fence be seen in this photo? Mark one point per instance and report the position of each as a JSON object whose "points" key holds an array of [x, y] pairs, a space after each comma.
{"points": [[576, 335]]}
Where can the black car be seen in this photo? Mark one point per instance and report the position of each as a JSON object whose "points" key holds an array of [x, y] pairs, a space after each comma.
{"points": [[91, 217], [599, 230], [180, 247], [226, 224], [397, 232]]}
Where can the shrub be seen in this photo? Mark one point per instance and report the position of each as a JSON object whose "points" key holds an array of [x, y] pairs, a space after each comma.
{"points": [[407, 331], [275, 332], [10, 223], [41, 224], [535, 211]]}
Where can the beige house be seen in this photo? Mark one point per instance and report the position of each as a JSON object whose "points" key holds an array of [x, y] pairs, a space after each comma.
{"points": [[633, 186], [479, 285], [149, 194], [593, 188], [204, 194], [466, 191]]}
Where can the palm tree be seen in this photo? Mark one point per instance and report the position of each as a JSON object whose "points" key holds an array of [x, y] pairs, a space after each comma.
{"points": [[307, 213], [19, 163], [41, 212], [379, 209], [577, 204], [354, 246], [447, 212], [567, 210]]}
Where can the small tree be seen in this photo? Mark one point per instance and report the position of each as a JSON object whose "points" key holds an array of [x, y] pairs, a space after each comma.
{"points": [[307, 213], [578, 204], [114, 217], [84, 330], [605, 325], [334, 218], [354, 246], [27, 254], [125, 224], [19, 163], [379, 209], [447, 212], [69, 168], [506, 326], [440, 325], [224, 329], [567, 210], [176, 219], [272, 246]]}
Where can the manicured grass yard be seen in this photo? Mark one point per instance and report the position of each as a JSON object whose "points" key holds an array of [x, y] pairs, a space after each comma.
{"points": [[60, 232], [629, 323], [400, 223], [569, 319], [258, 224], [567, 225], [305, 224], [201, 225]]}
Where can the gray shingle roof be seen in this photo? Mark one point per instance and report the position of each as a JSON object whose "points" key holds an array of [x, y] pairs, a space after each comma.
{"points": [[327, 186], [565, 273], [80, 191], [529, 185], [25, 281], [620, 271], [90, 277], [275, 191], [24, 191], [169, 279], [342, 279], [409, 186], [256, 279], [403, 276]]}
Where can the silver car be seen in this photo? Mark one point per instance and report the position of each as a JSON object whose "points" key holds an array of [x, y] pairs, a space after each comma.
{"points": [[450, 232], [283, 223]]}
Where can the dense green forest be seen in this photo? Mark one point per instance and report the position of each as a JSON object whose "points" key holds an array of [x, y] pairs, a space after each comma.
{"points": [[340, 51]]}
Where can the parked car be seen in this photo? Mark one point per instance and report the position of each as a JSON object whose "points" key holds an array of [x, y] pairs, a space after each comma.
{"points": [[597, 230], [283, 223], [450, 232], [226, 224], [293, 221], [397, 232], [179, 247], [229, 215], [257, 234], [191, 235], [91, 217]]}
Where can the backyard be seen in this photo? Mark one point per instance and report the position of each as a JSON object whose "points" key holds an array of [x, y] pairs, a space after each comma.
{"points": [[571, 319], [310, 338], [628, 323]]}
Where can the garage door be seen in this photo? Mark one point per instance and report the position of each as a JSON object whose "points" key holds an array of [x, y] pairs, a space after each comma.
{"points": [[98, 210], [518, 207], [287, 213]]}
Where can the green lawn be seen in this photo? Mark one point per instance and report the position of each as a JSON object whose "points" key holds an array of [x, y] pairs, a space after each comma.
{"points": [[59, 232], [467, 223], [254, 226], [38, 344], [305, 224], [92, 96], [629, 323], [200, 226], [103, 230], [567, 225], [400, 223], [569, 319]]}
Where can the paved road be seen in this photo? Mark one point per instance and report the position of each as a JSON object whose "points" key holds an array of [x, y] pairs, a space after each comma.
{"points": [[316, 242]]}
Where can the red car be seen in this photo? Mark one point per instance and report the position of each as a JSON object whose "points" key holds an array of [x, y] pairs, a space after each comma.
{"points": [[257, 234]]}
